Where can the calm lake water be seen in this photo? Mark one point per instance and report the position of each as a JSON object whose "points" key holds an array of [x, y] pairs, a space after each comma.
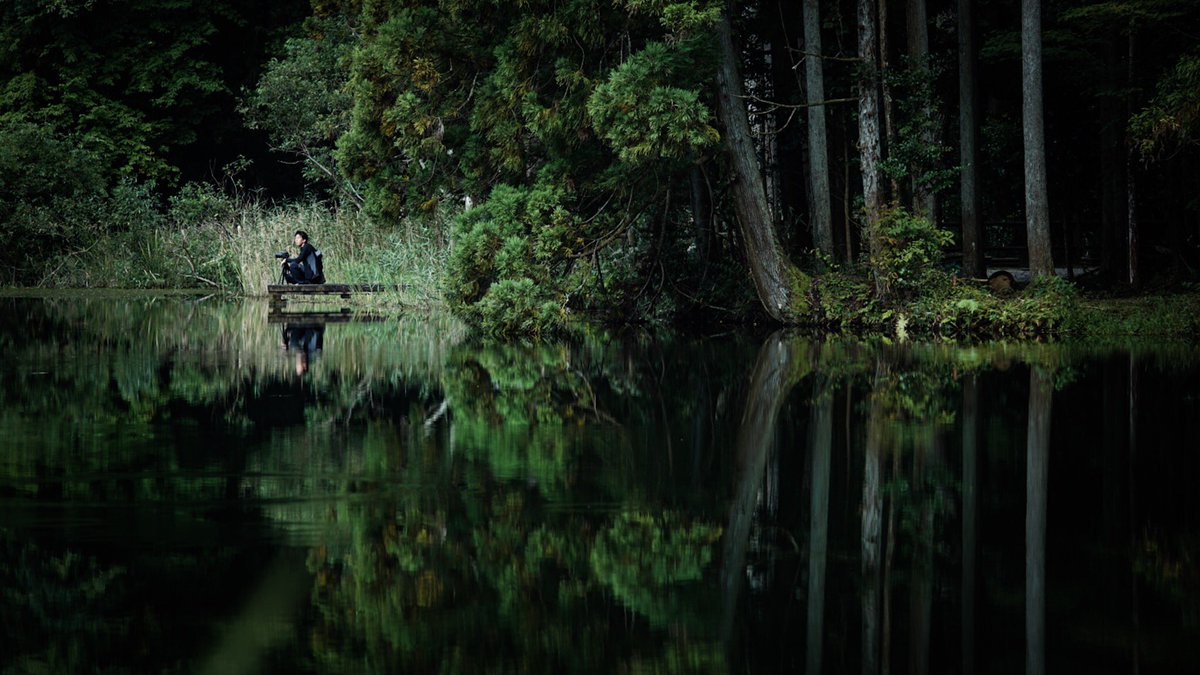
{"points": [[188, 486]]}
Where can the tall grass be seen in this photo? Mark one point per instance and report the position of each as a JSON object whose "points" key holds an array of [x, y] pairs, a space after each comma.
{"points": [[207, 239]]}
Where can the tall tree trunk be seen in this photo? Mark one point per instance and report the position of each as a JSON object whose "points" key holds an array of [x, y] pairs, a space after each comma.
{"points": [[768, 134], [818, 156], [868, 138], [849, 232], [782, 287], [1112, 166], [924, 201], [818, 525], [972, 226], [889, 109], [1131, 218], [701, 217], [1037, 210], [1037, 463]]}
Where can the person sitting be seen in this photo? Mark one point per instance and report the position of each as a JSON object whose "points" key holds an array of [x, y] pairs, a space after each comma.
{"points": [[306, 267]]}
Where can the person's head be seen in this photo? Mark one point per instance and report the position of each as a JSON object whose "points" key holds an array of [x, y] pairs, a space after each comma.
{"points": [[301, 238], [301, 363]]}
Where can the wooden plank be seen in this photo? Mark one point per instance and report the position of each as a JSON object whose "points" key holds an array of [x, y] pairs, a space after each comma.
{"points": [[329, 289]]}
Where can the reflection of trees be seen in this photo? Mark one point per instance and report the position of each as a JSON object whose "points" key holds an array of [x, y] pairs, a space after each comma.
{"points": [[106, 378], [49, 604], [564, 512], [1037, 465], [495, 577]]}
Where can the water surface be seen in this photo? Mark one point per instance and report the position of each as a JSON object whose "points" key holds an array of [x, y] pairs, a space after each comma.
{"points": [[187, 485]]}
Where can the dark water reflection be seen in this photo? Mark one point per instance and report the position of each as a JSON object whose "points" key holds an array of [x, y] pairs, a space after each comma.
{"points": [[185, 486]]}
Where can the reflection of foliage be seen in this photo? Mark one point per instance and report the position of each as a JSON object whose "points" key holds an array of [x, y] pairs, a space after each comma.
{"points": [[487, 583], [516, 406], [1171, 566], [68, 605], [648, 561]]}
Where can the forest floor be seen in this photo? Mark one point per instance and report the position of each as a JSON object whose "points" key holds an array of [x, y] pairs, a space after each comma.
{"points": [[1167, 315]]}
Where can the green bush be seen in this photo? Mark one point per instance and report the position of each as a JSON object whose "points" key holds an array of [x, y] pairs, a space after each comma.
{"points": [[509, 267], [911, 252]]}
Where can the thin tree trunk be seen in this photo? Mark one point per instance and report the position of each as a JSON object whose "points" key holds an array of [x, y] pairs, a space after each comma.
{"points": [[818, 156], [818, 529], [701, 216], [1131, 189], [972, 227], [868, 138], [924, 202], [782, 288], [1112, 201], [846, 195], [1037, 463], [1037, 210]]}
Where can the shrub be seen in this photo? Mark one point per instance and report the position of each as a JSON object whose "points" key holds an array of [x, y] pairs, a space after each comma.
{"points": [[509, 262], [910, 253]]}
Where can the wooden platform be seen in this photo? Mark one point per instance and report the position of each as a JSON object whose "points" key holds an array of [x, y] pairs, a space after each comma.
{"points": [[279, 293], [343, 290]]}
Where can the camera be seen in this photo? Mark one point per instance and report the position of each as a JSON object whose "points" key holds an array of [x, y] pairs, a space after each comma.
{"points": [[281, 255]]}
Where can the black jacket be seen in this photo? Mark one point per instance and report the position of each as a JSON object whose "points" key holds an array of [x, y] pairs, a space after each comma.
{"points": [[308, 264]]}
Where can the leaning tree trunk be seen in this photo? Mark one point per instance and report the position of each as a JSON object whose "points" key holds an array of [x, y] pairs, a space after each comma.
{"points": [[818, 156], [972, 227], [868, 138], [782, 287], [1037, 210]]}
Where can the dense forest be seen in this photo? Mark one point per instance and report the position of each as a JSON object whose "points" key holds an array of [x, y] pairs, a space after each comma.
{"points": [[846, 164]]}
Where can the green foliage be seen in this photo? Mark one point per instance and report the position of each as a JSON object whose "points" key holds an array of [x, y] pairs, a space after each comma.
{"points": [[508, 269], [846, 303], [131, 86], [68, 223], [680, 18], [958, 310], [301, 99], [1172, 117], [1161, 315], [645, 559], [538, 102], [918, 152], [643, 117], [910, 253]]}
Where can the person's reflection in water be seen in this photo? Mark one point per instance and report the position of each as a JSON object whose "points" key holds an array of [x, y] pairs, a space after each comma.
{"points": [[304, 340]]}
